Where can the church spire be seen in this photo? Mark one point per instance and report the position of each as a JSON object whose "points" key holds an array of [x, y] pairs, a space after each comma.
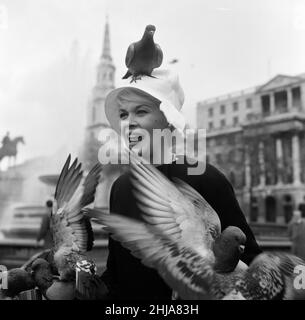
{"points": [[106, 47]]}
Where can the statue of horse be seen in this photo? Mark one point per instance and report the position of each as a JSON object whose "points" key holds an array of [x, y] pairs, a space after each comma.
{"points": [[10, 149]]}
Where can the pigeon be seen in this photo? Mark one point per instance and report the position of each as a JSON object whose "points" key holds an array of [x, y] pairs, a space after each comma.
{"points": [[42, 274], [175, 216], [71, 230], [144, 56], [15, 281], [180, 238], [89, 285], [270, 276], [61, 290], [228, 248]]}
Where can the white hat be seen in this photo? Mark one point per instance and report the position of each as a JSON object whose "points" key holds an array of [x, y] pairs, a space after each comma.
{"points": [[163, 85]]}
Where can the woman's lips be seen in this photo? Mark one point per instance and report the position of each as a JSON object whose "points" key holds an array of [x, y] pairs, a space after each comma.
{"points": [[134, 138]]}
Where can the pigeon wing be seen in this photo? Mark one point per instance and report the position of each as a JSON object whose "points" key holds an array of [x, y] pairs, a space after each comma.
{"points": [[68, 224], [130, 55], [206, 212], [271, 277], [184, 270], [159, 56], [165, 207]]}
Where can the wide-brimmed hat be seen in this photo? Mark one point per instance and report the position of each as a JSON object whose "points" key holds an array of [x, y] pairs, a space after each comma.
{"points": [[163, 85]]}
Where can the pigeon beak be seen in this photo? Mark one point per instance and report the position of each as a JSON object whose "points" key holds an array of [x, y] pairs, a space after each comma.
{"points": [[241, 248]]}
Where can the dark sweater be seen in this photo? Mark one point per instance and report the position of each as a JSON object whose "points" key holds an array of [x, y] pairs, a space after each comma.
{"points": [[126, 277]]}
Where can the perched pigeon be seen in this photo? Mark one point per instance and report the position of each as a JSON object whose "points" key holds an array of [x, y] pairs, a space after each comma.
{"points": [[89, 285], [17, 280], [183, 243], [61, 290], [228, 248], [144, 56], [42, 274], [271, 276]]}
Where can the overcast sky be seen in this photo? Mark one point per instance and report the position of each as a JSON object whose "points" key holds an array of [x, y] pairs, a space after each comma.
{"points": [[222, 46]]}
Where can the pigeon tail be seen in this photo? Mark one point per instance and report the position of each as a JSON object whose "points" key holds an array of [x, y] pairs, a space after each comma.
{"points": [[127, 75]]}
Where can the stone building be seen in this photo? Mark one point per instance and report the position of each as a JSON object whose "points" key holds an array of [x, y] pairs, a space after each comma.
{"points": [[96, 121], [256, 137]]}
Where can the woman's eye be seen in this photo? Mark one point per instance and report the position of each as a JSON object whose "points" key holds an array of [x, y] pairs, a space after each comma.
{"points": [[141, 111], [123, 116]]}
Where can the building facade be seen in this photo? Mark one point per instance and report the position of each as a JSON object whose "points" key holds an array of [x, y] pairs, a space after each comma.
{"points": [[256, 137]]}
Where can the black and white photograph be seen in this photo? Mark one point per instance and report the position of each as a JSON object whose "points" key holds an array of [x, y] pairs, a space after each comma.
{"points": [[152, 151]]}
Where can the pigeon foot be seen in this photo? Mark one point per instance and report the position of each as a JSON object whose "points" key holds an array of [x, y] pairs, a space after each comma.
{"points": [[135, 78]]}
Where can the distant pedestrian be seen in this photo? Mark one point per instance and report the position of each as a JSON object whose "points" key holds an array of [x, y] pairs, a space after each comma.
{"points": [[302, 208], [296, 231], [44, 233]]}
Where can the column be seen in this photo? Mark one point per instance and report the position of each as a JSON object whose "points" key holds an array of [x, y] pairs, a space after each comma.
{"points": [[272, 104], [262, 178], [247, 169], [279, 158], [296, 159], [289, 100]]}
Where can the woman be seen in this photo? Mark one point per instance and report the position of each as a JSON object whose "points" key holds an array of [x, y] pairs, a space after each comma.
{"points": [[136, 111]]}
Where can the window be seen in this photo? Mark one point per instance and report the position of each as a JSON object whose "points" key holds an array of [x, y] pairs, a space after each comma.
{"points": [[222, 109], [210, 125], [235, 106], [210, 112], [218, 158], [231, 139], [223, 123], [296, 97], [281, 101], [249, 103], [235, 121], [265, 100]]}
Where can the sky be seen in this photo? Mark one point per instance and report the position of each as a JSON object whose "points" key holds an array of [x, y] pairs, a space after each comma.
{"points": [[49, 50]]}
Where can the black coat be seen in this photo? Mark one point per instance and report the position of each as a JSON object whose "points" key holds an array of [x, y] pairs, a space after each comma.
{"points": [[126, 277]]}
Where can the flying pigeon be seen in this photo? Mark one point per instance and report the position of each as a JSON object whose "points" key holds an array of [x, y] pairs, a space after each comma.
{"points": [[180, 241], [17, 280], [71, 229], [173, 212], [144, 56]]}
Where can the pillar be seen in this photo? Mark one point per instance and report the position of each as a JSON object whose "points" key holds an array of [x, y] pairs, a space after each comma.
{"points": [[279, 158], [262, 178], [289, 100], [296, 159], [272, 104]]}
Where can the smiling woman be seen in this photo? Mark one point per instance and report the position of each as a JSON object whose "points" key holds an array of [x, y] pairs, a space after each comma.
{"points": [[135, 110]]}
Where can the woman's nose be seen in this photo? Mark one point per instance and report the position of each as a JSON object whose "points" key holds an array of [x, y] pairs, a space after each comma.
{"points": [[132, 120]]}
